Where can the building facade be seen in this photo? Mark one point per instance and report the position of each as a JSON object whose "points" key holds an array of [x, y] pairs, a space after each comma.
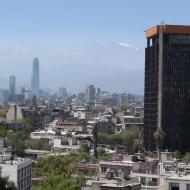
{"points": [[12, 87], [35, 81], [19, 171], [167, 86], [90, 94]]}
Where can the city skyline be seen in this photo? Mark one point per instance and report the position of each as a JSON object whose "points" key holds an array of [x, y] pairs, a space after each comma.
{"points": [[94, 95], [84, 45]]}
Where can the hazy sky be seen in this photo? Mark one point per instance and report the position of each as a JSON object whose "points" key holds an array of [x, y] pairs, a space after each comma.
{"points": [[81, 41]]}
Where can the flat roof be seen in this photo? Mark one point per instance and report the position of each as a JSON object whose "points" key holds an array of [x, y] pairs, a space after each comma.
{"points": [[173, 29], [119, 185], [179, 178]]}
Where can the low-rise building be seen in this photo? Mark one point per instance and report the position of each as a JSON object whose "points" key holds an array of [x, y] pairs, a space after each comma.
{"points": [[19, 171], [65, 144], [112, 184], [133, 122], [176, 182], [116, 168], [69, 126], [79, 113], [43, 134], [70, 143], [14, 113]]}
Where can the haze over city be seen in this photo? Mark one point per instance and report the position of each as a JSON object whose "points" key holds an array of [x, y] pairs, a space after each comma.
{"points": [[94, 95], [80, 42]]}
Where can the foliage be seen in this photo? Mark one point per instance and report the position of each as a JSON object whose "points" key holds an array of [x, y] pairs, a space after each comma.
{"points": [[47, 119], [83, 156], [15, 140], [2, 113], [55, 165], [5, 184], [3, 131], [38, 144], [57, 173], [177, 155], [68, 135], [84, 148], [35, 119], [152, 183], [126, 139], [58, 182], [95, 137], [102, 155], [186, 157], [159, 135], [123, 108]]}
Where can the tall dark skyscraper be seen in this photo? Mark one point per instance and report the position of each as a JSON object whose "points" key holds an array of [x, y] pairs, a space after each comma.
{"points": [[167, 86], [35, 81], [12, 87]]}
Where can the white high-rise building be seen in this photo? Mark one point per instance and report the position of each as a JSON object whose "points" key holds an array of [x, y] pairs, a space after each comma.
{"points": [[12, 86], [90, 93], [35, 81]]}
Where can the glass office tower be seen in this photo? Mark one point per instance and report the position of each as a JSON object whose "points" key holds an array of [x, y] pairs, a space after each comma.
{"points": [[12, 87], [35, 81], [167, 86]]}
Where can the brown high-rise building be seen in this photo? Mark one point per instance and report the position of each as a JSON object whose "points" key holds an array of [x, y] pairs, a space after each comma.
{"points": [[167, 86]]}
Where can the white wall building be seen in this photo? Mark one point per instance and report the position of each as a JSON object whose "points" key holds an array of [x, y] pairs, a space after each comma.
{"points": [[14, 113], [19, 171], [43, 134], [65, 144]]}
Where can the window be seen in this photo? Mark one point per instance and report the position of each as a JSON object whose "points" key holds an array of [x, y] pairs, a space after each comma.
{"points": [[174, 186], [18, 175], [188, 187], [22, 173]]}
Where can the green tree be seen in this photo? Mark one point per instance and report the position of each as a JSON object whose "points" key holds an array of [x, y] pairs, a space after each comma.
{"points": [[16, 141], [123, 108], [5, 184], [56, 172], [159, 135], [46, 120], [35, 120], [38, 144], [2, 113], [84, 148], [186, 157], [58, 182], [126, 139]]}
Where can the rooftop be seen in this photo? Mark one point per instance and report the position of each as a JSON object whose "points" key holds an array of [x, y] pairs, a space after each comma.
{"points": [[172, 29], [179, 178], [17, 161]]}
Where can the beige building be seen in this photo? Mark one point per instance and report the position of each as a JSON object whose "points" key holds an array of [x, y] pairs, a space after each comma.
{"points": [[14, 113], [176, 182]]}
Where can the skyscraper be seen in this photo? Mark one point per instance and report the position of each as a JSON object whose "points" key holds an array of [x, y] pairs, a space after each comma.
{"points": [[167, 86], [62, 92], [90, 94], [12, 87], [35, 78]]}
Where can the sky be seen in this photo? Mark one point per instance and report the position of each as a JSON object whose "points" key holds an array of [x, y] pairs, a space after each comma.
{"points": [[80, 42]]}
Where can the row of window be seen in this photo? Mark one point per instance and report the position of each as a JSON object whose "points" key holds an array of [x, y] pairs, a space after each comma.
{"points": [[175, 186], [179, 39], [26, 183], [24, 172]]}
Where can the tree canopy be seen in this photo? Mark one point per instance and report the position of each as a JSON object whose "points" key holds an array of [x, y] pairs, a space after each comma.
{"points": [[56, 172], [126, 139]]}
